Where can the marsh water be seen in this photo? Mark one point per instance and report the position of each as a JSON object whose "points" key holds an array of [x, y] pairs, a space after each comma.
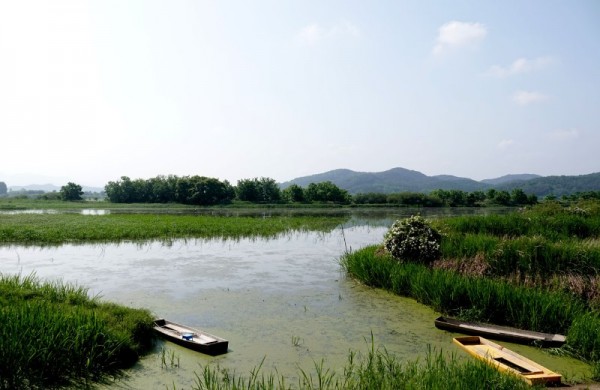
{"points": [[285, 300]]}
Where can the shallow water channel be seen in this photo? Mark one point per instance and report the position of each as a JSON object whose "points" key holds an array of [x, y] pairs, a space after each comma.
{"points": [[284, 299]]}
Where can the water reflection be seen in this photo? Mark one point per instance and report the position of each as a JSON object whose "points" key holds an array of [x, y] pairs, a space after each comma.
{"points": [[259, 294], [94, 212]]}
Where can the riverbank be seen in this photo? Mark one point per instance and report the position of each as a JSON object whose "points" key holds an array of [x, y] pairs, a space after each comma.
{"points": [[489, 271], [54, 335]]}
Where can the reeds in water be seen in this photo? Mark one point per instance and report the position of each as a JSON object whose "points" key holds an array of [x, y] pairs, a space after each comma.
{"points": [[53, 229], [377, 369], [54, 335]]}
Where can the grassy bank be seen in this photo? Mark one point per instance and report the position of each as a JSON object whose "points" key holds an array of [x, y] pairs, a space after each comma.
{"points": [[484, 299], [534, 269], [43, 229], [549, 246], [53, 335]]}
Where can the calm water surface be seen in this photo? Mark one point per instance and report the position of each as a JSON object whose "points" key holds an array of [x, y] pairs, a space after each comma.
{"points": [[285, 300]]}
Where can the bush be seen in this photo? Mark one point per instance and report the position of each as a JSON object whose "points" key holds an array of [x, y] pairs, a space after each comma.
{"points": [[413, 239]]}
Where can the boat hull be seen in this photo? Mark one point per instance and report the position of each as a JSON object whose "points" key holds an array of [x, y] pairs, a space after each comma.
{"points": [[503, 333], [506, 360], [191, 338]]}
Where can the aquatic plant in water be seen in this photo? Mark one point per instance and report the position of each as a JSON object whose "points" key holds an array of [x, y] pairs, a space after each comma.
{"points": [[376, 369]]}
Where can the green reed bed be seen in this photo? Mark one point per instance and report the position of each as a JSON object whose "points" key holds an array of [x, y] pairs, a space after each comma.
{"points": [[53, 335], [484, 299], [531, 255], [552, 222], [480, 298], [537, 247], [62, 228], [378, 369]]}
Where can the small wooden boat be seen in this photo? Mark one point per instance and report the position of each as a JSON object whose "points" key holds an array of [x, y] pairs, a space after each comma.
{"points": [[506, 360], [504, 333], [191, 338]]}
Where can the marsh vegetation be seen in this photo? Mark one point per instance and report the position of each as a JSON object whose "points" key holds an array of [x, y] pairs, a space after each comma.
{"points": [[53, 335], [45, 229], [534, 269], [477, 277], [376, 369]]}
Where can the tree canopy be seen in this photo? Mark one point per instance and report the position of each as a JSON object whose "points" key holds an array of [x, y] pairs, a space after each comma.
{"points": [[71, 192]]}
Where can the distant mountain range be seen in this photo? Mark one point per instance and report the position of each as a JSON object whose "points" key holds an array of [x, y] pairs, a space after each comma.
{"points": [[405, 180]]}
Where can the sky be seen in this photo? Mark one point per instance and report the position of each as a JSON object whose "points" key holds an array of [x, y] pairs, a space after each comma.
{"points": [[94, 90]]}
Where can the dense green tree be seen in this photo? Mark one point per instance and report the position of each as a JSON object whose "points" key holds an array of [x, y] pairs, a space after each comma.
{"points": [[71, 192], [198, 190], [247, 190], [475, 198], [442, 195], [263, 190], [163, 189], [532, 199], [502, 198], [327, 192], [452, 198], [269, 190], [518, 197], [3, 188], [119, 191], [206, 191], [293, 193], [371, 198]]}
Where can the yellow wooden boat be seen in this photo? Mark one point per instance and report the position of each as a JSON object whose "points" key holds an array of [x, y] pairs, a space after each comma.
{"points": [[506, 360]]}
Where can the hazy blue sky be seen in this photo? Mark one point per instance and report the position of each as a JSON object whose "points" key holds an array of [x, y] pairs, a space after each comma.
{"points": [[94, 90]]}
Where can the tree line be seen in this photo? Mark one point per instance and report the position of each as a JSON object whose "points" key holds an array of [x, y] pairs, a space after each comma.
{"points": [[450, 198], [207, 191]]}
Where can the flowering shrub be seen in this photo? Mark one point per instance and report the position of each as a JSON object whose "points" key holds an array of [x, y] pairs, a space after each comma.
{"points": [[413, 239]]}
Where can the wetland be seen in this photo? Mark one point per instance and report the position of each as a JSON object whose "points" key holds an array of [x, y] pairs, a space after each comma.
{"points": [[280, 298]]}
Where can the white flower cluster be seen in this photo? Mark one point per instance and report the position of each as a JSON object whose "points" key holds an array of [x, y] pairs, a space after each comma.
{"points": [[579, 211], [413, 239]]}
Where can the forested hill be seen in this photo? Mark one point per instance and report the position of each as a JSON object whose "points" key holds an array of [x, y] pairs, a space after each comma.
{"points": [[405, 180], [556, 185], [391, 181], [394, 180]]}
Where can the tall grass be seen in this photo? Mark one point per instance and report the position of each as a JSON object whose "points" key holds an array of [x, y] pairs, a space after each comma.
{"points": [[54, 335], [531, 255], [551, 222], [378, 369], [484, 299], [534, 244]]}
